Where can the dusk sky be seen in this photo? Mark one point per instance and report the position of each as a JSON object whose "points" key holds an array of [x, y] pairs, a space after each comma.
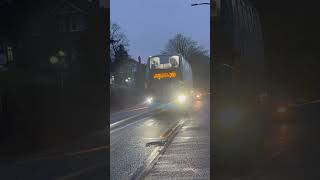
{"points": [[149, 24]]}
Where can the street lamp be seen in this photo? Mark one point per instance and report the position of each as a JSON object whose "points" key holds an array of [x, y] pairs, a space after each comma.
{"points": [[227, 66], [60, 63]]}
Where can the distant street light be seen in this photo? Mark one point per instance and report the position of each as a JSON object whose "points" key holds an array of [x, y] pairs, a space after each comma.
{"points": [[54, 60], [60, 63], [228, 66]]}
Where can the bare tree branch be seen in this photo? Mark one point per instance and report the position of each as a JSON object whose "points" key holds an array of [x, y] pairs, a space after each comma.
{"points": [[117, 38]]}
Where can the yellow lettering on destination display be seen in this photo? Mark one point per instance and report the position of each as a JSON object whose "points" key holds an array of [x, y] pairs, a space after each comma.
{"points": [[165, 75]]}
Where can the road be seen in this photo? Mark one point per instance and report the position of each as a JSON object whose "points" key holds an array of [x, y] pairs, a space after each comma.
{"points": [[134, 111], [86, 158], [77, 160], [132, 158], [188, 155], [130, 132], [292, 149]]}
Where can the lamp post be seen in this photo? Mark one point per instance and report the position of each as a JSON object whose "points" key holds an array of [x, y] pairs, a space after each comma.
{"points": [[63, 65], [60, 63]]}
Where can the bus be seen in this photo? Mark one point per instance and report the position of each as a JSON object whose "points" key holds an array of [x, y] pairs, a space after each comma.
{"points": [[169, 82]]}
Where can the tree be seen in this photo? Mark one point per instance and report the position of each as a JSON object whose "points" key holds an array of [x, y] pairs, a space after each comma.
{"points": [[120, 58], [118, 47], [117, 40], [121, 54], [183, 45], [140, 74], [196, 55]]}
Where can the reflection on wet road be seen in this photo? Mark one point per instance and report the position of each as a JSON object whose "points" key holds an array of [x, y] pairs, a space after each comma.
{"points": [[128, 145], [128, 150], [188, 156], [280, 138]]}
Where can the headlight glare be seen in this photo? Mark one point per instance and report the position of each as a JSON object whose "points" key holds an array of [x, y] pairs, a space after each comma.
{"points": [[182, 98], [149, 100]]}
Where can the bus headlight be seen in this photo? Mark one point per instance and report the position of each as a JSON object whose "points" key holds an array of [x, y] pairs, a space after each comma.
{"points": [[182, 98], [198, 96], [149, 100]]}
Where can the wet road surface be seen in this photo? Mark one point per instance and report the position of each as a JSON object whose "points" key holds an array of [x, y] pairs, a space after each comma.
{"points": [[73, 161], [86, 158], [129, 152], [293, 147], [188, 155], [128, 143]]}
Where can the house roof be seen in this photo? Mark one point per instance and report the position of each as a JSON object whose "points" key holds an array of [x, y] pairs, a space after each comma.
{"points": [[175, 54], [133, 61]]}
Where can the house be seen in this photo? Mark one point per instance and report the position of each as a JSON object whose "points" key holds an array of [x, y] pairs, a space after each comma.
{"points": [[129, 67], [125, 73], [6, 53], [6, 35], [34, 31]]}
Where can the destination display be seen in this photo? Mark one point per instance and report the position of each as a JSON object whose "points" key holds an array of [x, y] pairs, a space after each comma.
{"points": [[165, 75]]}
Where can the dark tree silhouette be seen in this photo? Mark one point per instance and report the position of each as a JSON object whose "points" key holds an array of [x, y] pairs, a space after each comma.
{"points": [[195, 54], [117, 38], [183, 45]]}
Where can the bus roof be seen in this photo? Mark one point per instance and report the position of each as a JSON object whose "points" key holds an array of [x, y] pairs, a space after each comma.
{"points": [[165, 55]]}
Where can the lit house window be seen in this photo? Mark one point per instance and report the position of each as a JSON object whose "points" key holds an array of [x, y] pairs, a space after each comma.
{"points": [[77, 23]]}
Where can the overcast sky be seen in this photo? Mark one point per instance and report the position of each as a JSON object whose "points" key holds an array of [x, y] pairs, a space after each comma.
{"points": [[149, 24]]}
